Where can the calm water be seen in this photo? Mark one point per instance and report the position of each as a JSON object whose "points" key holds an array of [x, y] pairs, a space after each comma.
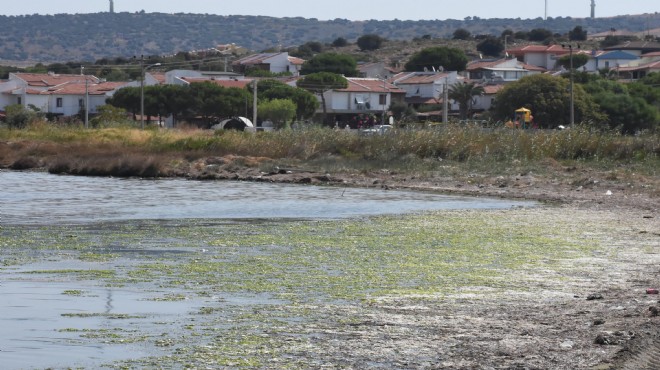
{"points": [[36, 198]]}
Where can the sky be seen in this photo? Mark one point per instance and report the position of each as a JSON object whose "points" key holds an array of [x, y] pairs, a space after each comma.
{"points": [[348, 9]]}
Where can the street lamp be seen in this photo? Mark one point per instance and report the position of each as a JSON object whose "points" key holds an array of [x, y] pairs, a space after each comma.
{"points": [[143, 69]]}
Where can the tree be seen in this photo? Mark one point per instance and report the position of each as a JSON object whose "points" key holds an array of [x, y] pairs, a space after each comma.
{"points": [[370, 42], [17, 116], [578, 61], [280, 111], [127, 98], [461, 34], [107, 115], [321, 82], [451, 59], [492, 46], [539, 34], [548, 97], [332, 63], [463, 93], [577, 34], [306, 102], [623, 110], [214, 102], [340, 42]]}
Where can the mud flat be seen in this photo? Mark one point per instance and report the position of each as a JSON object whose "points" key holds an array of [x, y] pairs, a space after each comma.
{"points": [[551, 287]]}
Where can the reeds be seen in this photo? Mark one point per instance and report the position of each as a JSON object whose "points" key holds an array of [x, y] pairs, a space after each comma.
{"points": [[457, 143]]}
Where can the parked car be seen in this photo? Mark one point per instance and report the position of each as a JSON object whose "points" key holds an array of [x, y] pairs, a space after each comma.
{"points": [[377, 130]]}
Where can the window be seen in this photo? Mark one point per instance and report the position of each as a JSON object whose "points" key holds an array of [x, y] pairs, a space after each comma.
{"points": [[58, 102], [20, 100], [382, 99], [81, 103]]}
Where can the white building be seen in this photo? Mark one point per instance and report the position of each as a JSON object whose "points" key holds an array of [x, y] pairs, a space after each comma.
{"points": [[58, 95], [272, 62]]}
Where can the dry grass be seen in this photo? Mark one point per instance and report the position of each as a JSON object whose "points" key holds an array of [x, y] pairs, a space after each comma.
{"points": [[133, 152]]}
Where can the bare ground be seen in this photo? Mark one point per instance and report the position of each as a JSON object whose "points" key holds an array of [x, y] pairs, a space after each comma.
{"points": [[596, 315]]}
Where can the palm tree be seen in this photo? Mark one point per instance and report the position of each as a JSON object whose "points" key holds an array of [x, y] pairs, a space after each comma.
{"points": [[462, 93]]}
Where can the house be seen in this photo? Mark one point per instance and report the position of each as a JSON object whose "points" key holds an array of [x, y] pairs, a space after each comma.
{"points": [[55, 94], [501, 70], [272, 62], [364, 97], [539, 55], [485, 102], [375, 70], [637, 48], [612, 59], [637, 71], [424, 88]]}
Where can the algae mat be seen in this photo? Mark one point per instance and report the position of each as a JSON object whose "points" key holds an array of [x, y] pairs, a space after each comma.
{"points": [[450, 289]]}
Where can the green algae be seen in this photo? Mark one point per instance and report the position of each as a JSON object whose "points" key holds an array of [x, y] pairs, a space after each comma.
{"points": [[299, 270]]}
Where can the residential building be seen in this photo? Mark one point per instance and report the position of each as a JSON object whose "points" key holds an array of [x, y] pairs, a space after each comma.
{"points": [[539, 55], [363, 97], [56, 94], [501, 70], [424, 88], [272, 62]]}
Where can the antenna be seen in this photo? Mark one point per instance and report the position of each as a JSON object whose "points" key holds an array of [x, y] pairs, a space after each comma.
{"points": [[593, 9]]}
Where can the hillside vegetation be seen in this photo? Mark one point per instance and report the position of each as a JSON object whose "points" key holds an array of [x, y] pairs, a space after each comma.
{"points": [[66, 37]]}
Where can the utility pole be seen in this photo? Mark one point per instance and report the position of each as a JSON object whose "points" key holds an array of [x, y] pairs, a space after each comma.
{"points": [[445, 102], [254, 104], [572, 104]]}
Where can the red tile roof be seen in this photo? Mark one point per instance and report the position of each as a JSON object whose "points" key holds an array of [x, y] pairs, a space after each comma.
{"points": [[419, 78], [648, 66], [492, 89], [371, 85], [51, 79], [551, 49], [296, 61], [79, 89]]}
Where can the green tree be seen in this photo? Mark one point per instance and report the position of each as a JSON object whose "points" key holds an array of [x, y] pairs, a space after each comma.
{"points": [[370, 42], [322, 82], [461, 34], [127, 98], [280, 111], [213, 102], [332, 63], [548, 97], [622, 109], [578, 61], [539, 34], [577, 34], [17, 116], [306, 102], [492, 46], [451, 59], [463, 94], [340, 42], [108, 115]]}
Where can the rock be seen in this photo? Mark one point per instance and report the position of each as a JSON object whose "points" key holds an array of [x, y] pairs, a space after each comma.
{"points": [[567, 344], [654, 311], [594, 296]]}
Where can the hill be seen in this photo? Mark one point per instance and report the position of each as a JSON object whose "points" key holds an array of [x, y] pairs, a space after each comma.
{"points": [[88, 37]]}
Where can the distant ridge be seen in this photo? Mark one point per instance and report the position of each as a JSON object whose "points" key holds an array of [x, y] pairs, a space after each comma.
{"points": [[68, 37]]}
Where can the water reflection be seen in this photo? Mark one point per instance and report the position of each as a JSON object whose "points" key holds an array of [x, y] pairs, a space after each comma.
{"points": [[35, 198]]}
